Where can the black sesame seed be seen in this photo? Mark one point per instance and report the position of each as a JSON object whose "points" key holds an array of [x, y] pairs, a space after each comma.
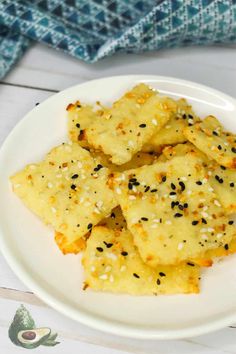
{"points": [[220, 180], [162, 274], [194, 222], [107, 244], [144, 219], [163, 179], [78, 225], [89, 226], [226, 246], [233, 150], [136, 275], [181, 207], [223, 167], [182, 185], [100, 249], [124, 253], [173, 204], [158, 282], [133, 179], [173, 186], [130, 186], [190, 264], [204, 221], [172, 193], [230, 222], [178, 215], [153, 190], [98, 167], [73, 186], [199, 183], [190, 116], [184, 116], [75, 176], [147, 189], [231, 184], [77, 125], [136, 183], [219, 147], [215, 133], [142, 125], [185, 205]]}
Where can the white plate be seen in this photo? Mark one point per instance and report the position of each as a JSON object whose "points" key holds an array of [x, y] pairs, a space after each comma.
{"points": [[31, 252]]}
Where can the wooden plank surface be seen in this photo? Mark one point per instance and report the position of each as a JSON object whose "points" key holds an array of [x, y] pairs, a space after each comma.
{"points": [[37, 76]]}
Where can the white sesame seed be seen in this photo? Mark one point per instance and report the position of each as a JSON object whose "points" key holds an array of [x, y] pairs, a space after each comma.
{"points": [[130, 143], [219, 235], [96, 211], [134, 189], [183, 179], [111, 278], [210, 189], [64, 168], [81, 199], [180, 246], [168, 222], [202, 200], [210, 229], [172, 196], [204, 181], [95, 175], [209, 173], [82, 177], [203, 229], [107, 269], [204, 214], [103, 277], [190, 121], [50, 185], [213, 148], [189, 192], [79, 164], [67, 178], [205, 208], [217, 203], [118, 190], [226, 144], [92, 269], [132, 197], [204, 237], [122, 268], [154, 121], [54, 210], [167, 126], [153, 226], [99, 204], [156, 220], [111, 256], [144, 197]]}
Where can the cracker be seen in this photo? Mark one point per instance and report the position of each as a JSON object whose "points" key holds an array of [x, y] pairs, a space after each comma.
{"points": [[221, 179], [219, 252], [138, 160], [172, 211], [79, 118], [172, 133], [115, 220], [112, 263], [210, 137], [67, 190], [132, 122]]}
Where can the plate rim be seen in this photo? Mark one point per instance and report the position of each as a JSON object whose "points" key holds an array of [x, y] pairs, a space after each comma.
{"points": [[86, 318]]}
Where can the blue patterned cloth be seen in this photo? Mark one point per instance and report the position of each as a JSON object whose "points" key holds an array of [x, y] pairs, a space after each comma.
{"points": [[92, 29]]}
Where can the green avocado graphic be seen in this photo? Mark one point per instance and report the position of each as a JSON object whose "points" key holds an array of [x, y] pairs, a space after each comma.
{"points": [[34, 337], [23, 333]]}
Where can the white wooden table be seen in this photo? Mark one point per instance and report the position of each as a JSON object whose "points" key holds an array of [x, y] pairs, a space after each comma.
{"points": [[41, 73]]}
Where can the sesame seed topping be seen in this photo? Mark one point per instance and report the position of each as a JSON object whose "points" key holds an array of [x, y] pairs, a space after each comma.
{"points": [[154, 121], [178, 215], [158, 282], [136, 275], [103, 277], [142, 125], [89, 226], [180, 246], [217, 203], [99, 249], [124, 253], [195, 222], [118, 190]]}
